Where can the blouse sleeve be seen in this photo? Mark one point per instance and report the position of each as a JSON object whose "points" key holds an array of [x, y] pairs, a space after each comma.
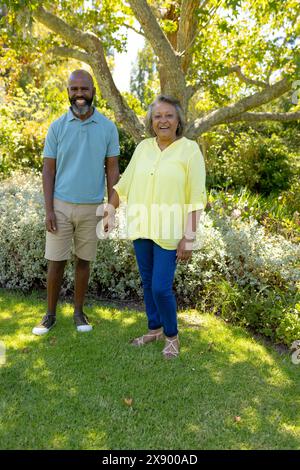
{"points": [[123, 186], [195, 188]]}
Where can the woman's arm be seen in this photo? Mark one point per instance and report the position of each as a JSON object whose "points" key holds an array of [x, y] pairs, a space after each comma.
{"points": [[196, 200], [185, 246], [112, 173]]}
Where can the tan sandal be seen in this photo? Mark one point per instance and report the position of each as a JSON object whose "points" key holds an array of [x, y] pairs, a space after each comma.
{"points": [[171, 348], [148, 338]]}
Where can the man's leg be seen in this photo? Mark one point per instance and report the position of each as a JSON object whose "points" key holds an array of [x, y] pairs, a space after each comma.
{"points": [[54, 281], [57, 252], [85, 248], [82, 274]]}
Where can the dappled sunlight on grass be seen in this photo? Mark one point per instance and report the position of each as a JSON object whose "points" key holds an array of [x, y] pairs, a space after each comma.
{"points": [[98, 440], [290, 428], [129, 321], [99, 315], [277, 376], [59, 442], [217, 376], [102, 393]]}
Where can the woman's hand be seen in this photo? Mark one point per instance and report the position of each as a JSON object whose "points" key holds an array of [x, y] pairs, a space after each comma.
{"points": [[184, 249]]}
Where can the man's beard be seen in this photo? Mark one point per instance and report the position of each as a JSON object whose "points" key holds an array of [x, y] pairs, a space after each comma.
{"points": [[83, 109]]}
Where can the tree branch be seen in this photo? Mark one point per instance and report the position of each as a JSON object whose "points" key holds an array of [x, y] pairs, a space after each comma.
{"points": [[258, 117], [234, 69], [73, 53], [153, 32], [169, 61], [188, 26], [237, 69], [137, 31], [72, 35], [222, 115], [211, 13], [193, 89], [95, 55]]}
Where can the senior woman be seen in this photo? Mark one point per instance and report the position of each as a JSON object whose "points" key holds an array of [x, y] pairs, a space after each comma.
{"points": [[164, 186]]}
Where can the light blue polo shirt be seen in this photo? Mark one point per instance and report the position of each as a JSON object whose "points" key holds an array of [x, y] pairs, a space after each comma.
{"points": [[80, 149]]}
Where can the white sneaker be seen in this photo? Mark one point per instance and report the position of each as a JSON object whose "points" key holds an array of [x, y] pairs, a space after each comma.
{"points": [[82, 323], [48, 322]]}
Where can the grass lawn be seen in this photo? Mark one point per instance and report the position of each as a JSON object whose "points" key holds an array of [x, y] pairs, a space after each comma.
{"points": [[68, 390]]}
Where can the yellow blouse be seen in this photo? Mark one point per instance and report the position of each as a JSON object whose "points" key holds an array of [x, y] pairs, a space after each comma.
{"points": [[161, 187]]}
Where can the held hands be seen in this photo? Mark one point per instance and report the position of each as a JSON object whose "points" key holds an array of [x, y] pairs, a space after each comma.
{"points": [[107, 211], [184, 249], [104, 227]]}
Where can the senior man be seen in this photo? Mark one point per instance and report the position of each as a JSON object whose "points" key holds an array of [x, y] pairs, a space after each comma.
{"points": [[81, 146]]}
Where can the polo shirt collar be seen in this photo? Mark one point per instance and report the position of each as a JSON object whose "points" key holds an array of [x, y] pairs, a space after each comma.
{"points": [[94, 117]]}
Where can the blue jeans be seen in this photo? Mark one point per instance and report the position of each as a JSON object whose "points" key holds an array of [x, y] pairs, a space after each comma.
{"points": [[157, 269]]}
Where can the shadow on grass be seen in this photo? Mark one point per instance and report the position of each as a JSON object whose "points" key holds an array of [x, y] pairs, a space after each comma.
{"points": [[94, 391]]}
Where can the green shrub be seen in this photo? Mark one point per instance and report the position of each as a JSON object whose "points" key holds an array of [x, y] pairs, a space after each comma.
{"points": [[23, 126], [276, 213], [291, 198], [248, 160], [127, 147], [273, 313], [274, 170], [289, 326]]}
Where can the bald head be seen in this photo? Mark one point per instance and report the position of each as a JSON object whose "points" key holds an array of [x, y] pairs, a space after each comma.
{"points": [[80, 73]]}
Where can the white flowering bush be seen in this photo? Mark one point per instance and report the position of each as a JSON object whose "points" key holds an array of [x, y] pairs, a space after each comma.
{"points": [[21, 233], [238, 270]]}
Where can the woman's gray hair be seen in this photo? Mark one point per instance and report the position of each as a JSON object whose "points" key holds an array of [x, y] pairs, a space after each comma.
{"points": [[174, 102]]}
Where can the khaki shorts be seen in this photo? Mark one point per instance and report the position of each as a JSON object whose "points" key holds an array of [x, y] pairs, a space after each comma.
{"points": [[75, 224]]}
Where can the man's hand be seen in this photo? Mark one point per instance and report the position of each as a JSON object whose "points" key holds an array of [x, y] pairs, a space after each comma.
{"points": [[50, 222], [184, 249]]}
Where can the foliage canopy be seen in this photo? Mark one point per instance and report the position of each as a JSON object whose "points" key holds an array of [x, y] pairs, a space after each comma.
{"points": [[222, 58]]}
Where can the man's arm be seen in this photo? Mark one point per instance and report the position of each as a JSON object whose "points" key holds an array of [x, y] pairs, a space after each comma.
{"points": [[112, 177], [49, 172], [112, 173]]}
